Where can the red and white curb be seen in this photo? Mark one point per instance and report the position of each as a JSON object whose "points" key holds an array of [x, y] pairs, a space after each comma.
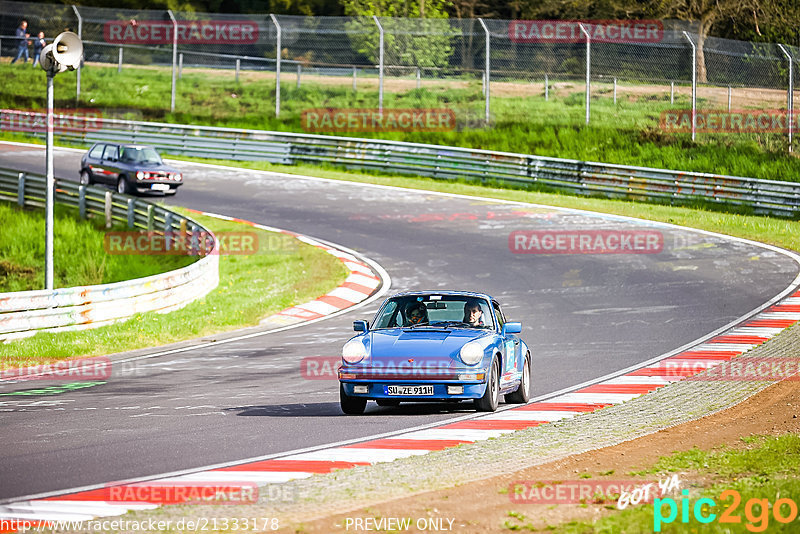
{"points": [[87, 505], [357, 287]]}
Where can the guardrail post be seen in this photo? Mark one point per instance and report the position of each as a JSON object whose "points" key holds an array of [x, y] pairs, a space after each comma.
{"points": [[238, 66], [277, 66], [194, 245], [380, 65], [299, 72], [21, 190], [151, 218], [168, 230], [82, 201], [131, 213], [671, 93], [418, 78], [729, 99], [174, 57], [355, 75], [107, 208], [615, 91], [588, 70], [694, 84], [119, 61], [487, 68], [180, 66], [790, 95]]}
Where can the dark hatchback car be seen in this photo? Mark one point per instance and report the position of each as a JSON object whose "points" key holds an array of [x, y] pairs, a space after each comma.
{"points": [[130, 168]]}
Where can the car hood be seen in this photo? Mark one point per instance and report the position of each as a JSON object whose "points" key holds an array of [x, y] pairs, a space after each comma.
{"points": [[404, 343]]}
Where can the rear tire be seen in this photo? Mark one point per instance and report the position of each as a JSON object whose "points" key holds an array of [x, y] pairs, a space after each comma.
{"points": [[522, 394], [491, 397], [351, 405]]}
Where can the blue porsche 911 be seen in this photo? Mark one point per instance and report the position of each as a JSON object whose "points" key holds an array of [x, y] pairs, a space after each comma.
{"points": [[435, 346]]}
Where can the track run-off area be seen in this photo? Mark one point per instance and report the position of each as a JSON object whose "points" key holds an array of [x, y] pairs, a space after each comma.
{"points": [[586, 315]]}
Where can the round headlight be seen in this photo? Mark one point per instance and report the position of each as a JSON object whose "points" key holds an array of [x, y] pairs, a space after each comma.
{"points": [[471, 353], [354, 351], [139, 175]]}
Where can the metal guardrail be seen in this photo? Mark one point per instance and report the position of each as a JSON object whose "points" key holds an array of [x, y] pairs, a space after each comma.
{"points": [[442, 162], [25, 313]]}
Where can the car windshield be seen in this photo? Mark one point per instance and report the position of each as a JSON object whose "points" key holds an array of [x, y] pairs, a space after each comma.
{"points": [[438, 311], [143, 155]]}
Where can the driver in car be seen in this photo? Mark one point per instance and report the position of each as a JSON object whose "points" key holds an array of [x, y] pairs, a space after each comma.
{"points": [[473, 314], [416, 313]]}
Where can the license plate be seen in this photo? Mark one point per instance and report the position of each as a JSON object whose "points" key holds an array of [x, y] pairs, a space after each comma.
{"points": [[409, 390], [159, 187]]}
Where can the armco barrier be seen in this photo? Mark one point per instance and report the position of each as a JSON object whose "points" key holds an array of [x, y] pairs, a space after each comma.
{"points": [[24, 313], [577, 177]]}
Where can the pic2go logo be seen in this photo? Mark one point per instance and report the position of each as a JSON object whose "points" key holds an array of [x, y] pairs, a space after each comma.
{"points": [[756, 511]]}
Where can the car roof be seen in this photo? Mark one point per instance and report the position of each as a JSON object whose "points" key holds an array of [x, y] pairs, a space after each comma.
{"points": [[471, 294]]}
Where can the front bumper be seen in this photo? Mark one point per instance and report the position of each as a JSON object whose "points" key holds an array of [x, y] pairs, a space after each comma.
{"points": [[377, 389], [162, 186]]}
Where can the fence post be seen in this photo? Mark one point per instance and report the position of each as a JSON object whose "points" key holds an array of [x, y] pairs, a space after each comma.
{"points": [[21, 189], [131, 213], [168, 230], [671, 93], [119, 62], [174, 57], [238, 66], [355, 74], [277, 66], [615, 91], [487, 68], [790, 95], [588, 70], [299, 72], [82, 201], [418, 78], [107, 208], [180, 65], [729, 99], [380, 64], [546, 88], [80, 36], [151, 218], [694, 85]]}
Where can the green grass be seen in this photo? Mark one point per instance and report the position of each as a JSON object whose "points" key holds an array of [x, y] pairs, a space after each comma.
{"points": [[79, 256], [251, 288], [765, 468], [626, 133]]}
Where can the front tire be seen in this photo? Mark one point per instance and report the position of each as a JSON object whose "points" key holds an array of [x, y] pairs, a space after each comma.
{"points": [[491, 397], [522, 394], [123, 187], [351, 405], [86, 178]]}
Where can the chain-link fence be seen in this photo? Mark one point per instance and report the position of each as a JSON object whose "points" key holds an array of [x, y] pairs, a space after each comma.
{"points": [[637, 71]]}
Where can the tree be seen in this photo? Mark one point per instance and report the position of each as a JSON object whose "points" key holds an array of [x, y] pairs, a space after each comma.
{"points": [[416, 32]]}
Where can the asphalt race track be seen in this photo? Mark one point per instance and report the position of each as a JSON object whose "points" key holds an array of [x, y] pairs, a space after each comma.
{"points": [[584, 316]]}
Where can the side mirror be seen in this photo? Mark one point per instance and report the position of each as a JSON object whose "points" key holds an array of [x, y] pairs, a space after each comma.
{"points": [[360, 326], [512, 328]]}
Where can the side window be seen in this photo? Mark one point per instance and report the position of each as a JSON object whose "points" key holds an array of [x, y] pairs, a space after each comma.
{"points": [[500, 319], [97, 151], [111, 152]]}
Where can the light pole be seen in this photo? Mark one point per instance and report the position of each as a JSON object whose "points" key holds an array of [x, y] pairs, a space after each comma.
{"points": [[63, 54]]}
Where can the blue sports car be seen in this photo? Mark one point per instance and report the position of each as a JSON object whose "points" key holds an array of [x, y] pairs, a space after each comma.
{"points": [[435, 346]]}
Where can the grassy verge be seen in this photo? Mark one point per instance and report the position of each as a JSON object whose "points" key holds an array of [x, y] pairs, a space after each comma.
{"points": [[779, 232], [79, 257], [627, 132], [251, 288], [761, 472]]}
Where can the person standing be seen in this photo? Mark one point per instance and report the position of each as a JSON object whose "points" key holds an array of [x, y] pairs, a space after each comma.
{"points": [[22, 36], [38, 44]]}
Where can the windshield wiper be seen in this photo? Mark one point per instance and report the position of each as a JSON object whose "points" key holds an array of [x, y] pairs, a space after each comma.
{"points": [[451, 323]]}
